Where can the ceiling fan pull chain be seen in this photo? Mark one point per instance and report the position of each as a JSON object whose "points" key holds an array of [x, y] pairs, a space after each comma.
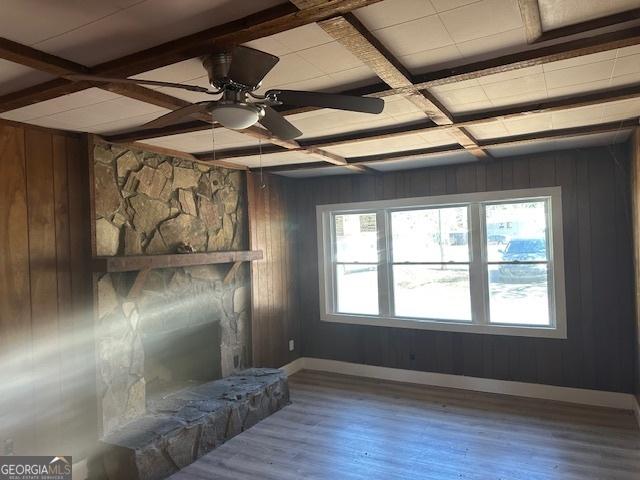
{"points": [[262, 185], [213, 138]]}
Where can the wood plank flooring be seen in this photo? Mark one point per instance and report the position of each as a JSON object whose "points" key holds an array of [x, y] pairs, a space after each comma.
{"points": [[340, 427]]}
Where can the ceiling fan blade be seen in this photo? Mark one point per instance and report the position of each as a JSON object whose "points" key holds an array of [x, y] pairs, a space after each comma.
{"points": [[278, 125], [95, 78], [296, 98], [175, 115], [249, 66]]}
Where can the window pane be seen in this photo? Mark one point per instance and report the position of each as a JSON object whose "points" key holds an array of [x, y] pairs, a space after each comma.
{"points": [[357, 289], [430, 235], [440, 292], [356, 237], [519, 294], [516, 231]]}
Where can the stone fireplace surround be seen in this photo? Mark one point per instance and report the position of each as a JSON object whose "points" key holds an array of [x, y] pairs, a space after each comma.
{"points": [[146, 203]]}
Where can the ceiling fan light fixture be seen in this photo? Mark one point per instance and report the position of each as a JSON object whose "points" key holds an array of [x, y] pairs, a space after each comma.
{"points": [[236, 116]]}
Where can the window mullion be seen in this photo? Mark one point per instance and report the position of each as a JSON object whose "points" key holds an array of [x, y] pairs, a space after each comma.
{"points": [[384, 260], [477, 276]]}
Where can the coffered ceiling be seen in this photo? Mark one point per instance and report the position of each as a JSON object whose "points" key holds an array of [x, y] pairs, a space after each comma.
{"points": [[484, 87]]}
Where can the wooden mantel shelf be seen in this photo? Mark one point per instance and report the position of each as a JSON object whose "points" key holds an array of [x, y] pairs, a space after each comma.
{"points": [[149, 262]]}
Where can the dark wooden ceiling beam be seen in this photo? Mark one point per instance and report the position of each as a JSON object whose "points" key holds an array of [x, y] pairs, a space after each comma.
{"points": [[40, 93], [38, 60]]}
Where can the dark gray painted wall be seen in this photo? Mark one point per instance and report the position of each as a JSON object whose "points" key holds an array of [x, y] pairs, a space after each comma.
{"points": [[599, 350]]}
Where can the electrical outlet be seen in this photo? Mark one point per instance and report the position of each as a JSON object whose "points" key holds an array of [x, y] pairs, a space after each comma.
{"points": [[291, 345], [8, 447]]}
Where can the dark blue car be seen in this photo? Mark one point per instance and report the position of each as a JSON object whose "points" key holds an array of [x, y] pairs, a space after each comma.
{"points": [[524, 250]]}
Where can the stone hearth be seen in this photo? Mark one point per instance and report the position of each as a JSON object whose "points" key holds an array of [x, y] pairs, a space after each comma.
{"points": [[183, 426]]}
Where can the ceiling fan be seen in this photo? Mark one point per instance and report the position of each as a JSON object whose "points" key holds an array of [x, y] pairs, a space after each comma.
{"points": [[235, 76]]}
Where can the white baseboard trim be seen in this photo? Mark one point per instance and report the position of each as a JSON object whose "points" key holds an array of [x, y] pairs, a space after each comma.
{"points": [[636, 408], [293, 367], [599, 398]]}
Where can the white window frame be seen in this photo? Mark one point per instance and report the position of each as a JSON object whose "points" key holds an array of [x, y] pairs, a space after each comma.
{"points": [[478, 259]]}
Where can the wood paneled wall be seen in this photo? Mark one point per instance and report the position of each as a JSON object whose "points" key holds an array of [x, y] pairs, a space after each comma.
{"points": [[635, 215], [274, 307], [47, 399], [598, 352]]}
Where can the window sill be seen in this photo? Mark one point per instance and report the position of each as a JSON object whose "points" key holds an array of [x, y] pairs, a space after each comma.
{"points": [[446, 326]]}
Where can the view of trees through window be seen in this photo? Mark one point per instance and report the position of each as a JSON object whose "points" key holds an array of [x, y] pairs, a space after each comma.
{"points": [[430, 252], [429, 262]]}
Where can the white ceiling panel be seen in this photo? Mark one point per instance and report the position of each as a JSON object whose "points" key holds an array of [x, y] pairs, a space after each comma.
{"points": [[427, 35], [560, 13], [393, 12], [490, 129], [482, 19], [317, 172], [324, 123], [569, 118], [524, 97], [317, 123], [493, 45], [412, 37], [576, 117], [384, 145], [434, 59], [466, 95], [53, 19], [16, 77], [330, 58], [91, 96], [444, 5], [529, 123], [187, 71], [431, 160], [110, 116], [198, 142], [584, 141], [117, 126], [275, 159], [589, 72], [93, 31], [412, 141], [290, 41], [582, 60]]}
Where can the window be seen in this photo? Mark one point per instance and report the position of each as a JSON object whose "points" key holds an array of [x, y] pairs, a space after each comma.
{"points": [[485, 262]]}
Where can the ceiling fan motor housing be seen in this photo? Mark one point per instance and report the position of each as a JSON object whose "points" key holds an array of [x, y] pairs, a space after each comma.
{"points": [[217, 66]]}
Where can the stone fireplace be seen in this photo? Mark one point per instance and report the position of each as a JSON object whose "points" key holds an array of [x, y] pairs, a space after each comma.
{"points": [[186, 326]]}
